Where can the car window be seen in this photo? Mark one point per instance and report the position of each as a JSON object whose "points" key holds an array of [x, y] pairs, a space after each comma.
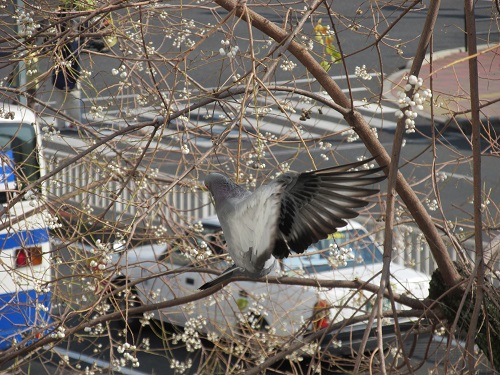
{"points": [[17, 153], [343, 249]]}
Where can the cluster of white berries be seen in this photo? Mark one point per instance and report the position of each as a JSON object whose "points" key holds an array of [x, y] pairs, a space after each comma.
{"points": [[441, 176], [288, 65], [51, 220], [414, 104], [308, 100], [228, 51], [50, 132], [307, 42], [147, 316], [295, 357], [270, 136], [254, 161], [97, 330], [187, 29], [60, 333], [97, 111], [41, 287], [197, 227], [204, 252], [33, 63], [261, 111], [26, 23], [41, 307], [365, 166], [116, 169], [150, 48], [125, 349], [213, 337], [181, 367], [352, 136], [185, 92], [122, 71], [190, 336], [362, 73], [102, 256], [441, 331], [432, 204], [267, 43], [236, 77], [324, 145], [338, 257]]}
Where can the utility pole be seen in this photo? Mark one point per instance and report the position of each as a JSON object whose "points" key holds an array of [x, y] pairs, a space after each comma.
{"points": [[21, 66]]}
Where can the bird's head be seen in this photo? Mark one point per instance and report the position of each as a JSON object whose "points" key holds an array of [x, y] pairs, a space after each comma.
{"points": [[217, 184], [222, 188]]}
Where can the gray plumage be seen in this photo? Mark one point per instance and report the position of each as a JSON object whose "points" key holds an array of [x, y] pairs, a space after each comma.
{"points": [[289, 214]]}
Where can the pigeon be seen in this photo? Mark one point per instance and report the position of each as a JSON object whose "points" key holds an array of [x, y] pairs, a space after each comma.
{"points": [[290, 213]]}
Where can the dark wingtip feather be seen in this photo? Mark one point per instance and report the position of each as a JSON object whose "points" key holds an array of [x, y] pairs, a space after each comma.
{"points": [[210, 284], [225, 276], [281, 249]]}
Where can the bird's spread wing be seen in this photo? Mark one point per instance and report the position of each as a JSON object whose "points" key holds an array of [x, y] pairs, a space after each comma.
{"points": [[251, 227], [314, 204]]}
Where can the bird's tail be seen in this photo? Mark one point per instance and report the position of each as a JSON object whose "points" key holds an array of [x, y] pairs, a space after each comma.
{"points": [[234, 270]]}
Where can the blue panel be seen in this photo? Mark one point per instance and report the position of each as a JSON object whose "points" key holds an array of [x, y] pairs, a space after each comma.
{"points": [[14, 239], [18, 313]]}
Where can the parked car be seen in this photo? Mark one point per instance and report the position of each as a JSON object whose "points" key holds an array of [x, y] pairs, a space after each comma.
{"points": [[275, 309]]}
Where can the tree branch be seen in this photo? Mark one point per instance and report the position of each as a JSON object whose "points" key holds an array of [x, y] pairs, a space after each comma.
{"points": [[356, 120]]}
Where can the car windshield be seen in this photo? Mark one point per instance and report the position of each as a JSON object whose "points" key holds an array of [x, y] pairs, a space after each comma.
{"points": [[348, 248], [18, 159]]}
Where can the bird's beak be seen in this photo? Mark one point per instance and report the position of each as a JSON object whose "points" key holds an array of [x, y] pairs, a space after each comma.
{"points": [[204, 187]]}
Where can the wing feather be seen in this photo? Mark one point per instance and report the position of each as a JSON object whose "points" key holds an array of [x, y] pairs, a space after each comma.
{"points": [[314, 204]]}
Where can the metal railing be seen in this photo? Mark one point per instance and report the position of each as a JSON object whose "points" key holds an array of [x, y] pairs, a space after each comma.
{"points": [[88, 190]]}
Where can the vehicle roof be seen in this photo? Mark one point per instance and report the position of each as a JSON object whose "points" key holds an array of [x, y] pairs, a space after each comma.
{"points": [[20, 114], [214, 221], [210, 220]]}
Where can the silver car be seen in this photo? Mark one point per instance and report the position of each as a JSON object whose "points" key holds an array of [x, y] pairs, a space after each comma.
{"points": [[274, 310]]}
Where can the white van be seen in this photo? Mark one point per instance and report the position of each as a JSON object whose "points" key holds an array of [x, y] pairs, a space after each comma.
{"points": [[25, 270]]}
